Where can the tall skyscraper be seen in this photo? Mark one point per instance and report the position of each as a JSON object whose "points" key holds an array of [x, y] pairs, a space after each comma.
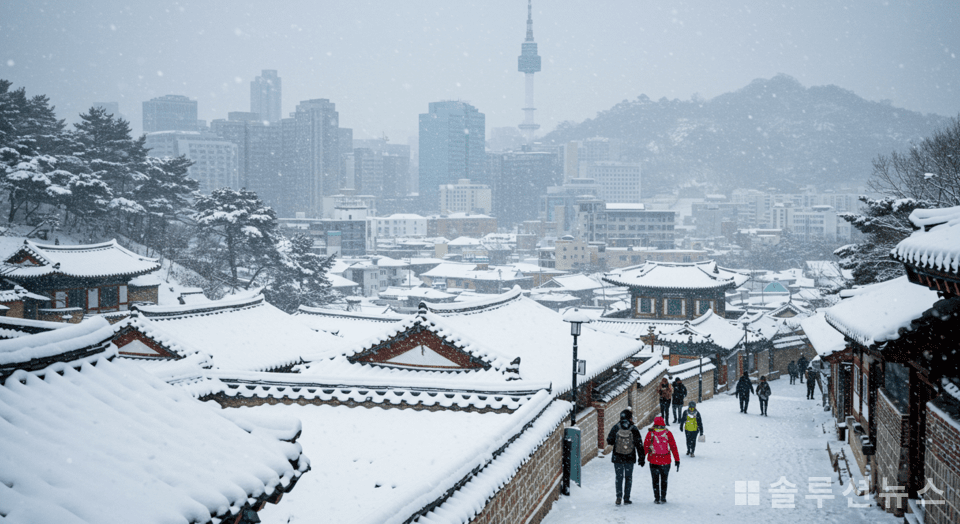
{"points": [[311, 166], [170, 113], [528, 64], [214, 159], [452, 146], [524, 176], [265, 96], [258, 153]]}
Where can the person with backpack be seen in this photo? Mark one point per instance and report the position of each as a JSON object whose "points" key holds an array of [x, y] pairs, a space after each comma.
{"points": [[692, 426], [792, 370], [802, 367], [658, 444], [627, 447], [744, 388], [679, 395], [763, 393], [666, 395]]}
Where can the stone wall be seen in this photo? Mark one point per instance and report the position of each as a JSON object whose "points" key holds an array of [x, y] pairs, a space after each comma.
{"points": [[608, 414], [143, 294], [647, 403], [891, 458], [942, 466], [529, 495]]}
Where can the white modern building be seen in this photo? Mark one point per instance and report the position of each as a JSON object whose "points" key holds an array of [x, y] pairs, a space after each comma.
{"points": [[215, 161], [616, 181], [395, 226], [465, 197]]}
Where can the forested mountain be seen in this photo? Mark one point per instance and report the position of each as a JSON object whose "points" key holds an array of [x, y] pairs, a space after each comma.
{"points": [[772, 133]]}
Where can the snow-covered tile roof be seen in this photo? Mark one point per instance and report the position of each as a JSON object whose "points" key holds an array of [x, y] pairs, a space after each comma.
{"points": [[825, 339], [42, 350], [937, 244], [375, 476], [470, 272], [427, 293], [350, 326], [12, 327], [669, 275], [723, 333], [495, 330], [337, 281], [239, 332], [80, 261], [109, 443], [575, 282], [875, 313]]}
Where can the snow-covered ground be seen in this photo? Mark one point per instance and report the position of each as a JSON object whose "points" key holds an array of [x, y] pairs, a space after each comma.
{"points": [[790, 443]]}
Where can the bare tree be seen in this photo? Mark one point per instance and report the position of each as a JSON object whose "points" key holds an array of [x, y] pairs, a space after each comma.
{"points": [[929, 171]]}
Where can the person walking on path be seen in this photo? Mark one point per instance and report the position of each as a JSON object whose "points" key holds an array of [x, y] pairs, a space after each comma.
{"points": [[744, 388], [792, 370], [627, 448], [658, 444], [679, 395], [692, 426], [666, 394], [802, 367], [811, 381], [763, 393]]}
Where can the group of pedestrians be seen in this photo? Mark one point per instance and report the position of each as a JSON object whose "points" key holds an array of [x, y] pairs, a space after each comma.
{"points": [[657, 446], [801, 367]]}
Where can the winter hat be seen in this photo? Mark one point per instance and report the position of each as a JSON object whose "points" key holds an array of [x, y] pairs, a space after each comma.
{"points": [[764, 379], [693, 404], [659, 422], [626, 415]]}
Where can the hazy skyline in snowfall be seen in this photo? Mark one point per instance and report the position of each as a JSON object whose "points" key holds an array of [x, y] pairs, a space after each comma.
{"points": [[382, 62]]}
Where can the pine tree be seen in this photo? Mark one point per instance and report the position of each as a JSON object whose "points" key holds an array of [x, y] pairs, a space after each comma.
{"points": [[235, 231], [300, 277]]}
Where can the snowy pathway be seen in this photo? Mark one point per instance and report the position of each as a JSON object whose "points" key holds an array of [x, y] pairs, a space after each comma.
{"points": [[790, 443]]}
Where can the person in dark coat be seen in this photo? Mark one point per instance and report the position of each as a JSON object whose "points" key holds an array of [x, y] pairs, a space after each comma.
{"points": [[627, 448], [666, 395], [802, 367], [692, 426], [763, 393], [658, 444], [679, 395], [811, 381], [792, 370], [744, 388]]}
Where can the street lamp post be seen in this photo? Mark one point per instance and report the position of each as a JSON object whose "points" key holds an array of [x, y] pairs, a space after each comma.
{"points": [[572, 435], [576, 318]]}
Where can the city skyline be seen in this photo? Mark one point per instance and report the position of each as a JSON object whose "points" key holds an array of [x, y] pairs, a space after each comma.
{"points": [[595, 54]]}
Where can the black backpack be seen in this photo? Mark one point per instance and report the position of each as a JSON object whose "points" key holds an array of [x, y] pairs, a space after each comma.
{"points": [[624, 442]]}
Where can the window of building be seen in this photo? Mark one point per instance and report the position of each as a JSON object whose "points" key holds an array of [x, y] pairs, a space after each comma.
{"points": [[109, 297], [704, 305], [673, 307], [645, 305]]}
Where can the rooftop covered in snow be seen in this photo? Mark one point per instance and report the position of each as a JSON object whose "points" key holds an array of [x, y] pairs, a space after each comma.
{"points": [[676, 276], [936, 245], [876, 313], [108, 259]]}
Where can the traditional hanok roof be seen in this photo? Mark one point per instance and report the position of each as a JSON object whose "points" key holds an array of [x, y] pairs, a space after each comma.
{"points": [[723, 333], [108, 259], [348, 325], [18, 294], [936, 245], [825, 339], [504, 341], [677, 276], [876, 313], [789, 310], [240, 332], [90, 439], [11, 327], [470, 272], [575, 282]]}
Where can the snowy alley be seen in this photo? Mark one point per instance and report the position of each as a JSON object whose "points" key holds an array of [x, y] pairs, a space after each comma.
{"points": [[790, 443]]}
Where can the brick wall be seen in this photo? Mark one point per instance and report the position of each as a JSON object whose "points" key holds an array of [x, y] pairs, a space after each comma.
{"points": [[587, 422], [693, 387], [942, 466], [647, 403], [143, 294], [531, 492], [608, 414], [783, 357], [891, 459]]}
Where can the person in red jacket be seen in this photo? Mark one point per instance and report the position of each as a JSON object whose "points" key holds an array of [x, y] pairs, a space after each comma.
{"points": [[658, 445]]}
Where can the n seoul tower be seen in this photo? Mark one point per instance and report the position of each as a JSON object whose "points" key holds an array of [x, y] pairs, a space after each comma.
{"points": [[529, 63]]}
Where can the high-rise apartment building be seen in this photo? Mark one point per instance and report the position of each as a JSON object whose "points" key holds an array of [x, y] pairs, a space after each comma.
{"points": [[368, 171], [214, 159], [258, 153], [523, 176], [311, 166], [452, 146], [617, 181], [170, 113], [265, 93]]}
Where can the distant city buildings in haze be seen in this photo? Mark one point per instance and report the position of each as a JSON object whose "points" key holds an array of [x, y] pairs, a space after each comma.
{"points": [[452, 146], [170, 113], [465, 197], [265, 91], [214, 159], [259, 152], [528, 63], [312, 166]]}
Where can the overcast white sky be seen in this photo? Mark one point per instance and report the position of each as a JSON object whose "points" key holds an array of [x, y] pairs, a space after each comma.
{"points": [[383, 61]]}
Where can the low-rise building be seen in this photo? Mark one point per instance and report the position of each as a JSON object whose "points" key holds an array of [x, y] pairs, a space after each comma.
{"points": [[622, 225], [461, 225]]}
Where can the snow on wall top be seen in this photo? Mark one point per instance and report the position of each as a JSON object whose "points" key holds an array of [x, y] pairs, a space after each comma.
{"points": [[80, 261], [241, 332], [937, 244], [875, 313], [670, 275], [824, 338], [53, 344], [108, 443], [373, 483]]}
